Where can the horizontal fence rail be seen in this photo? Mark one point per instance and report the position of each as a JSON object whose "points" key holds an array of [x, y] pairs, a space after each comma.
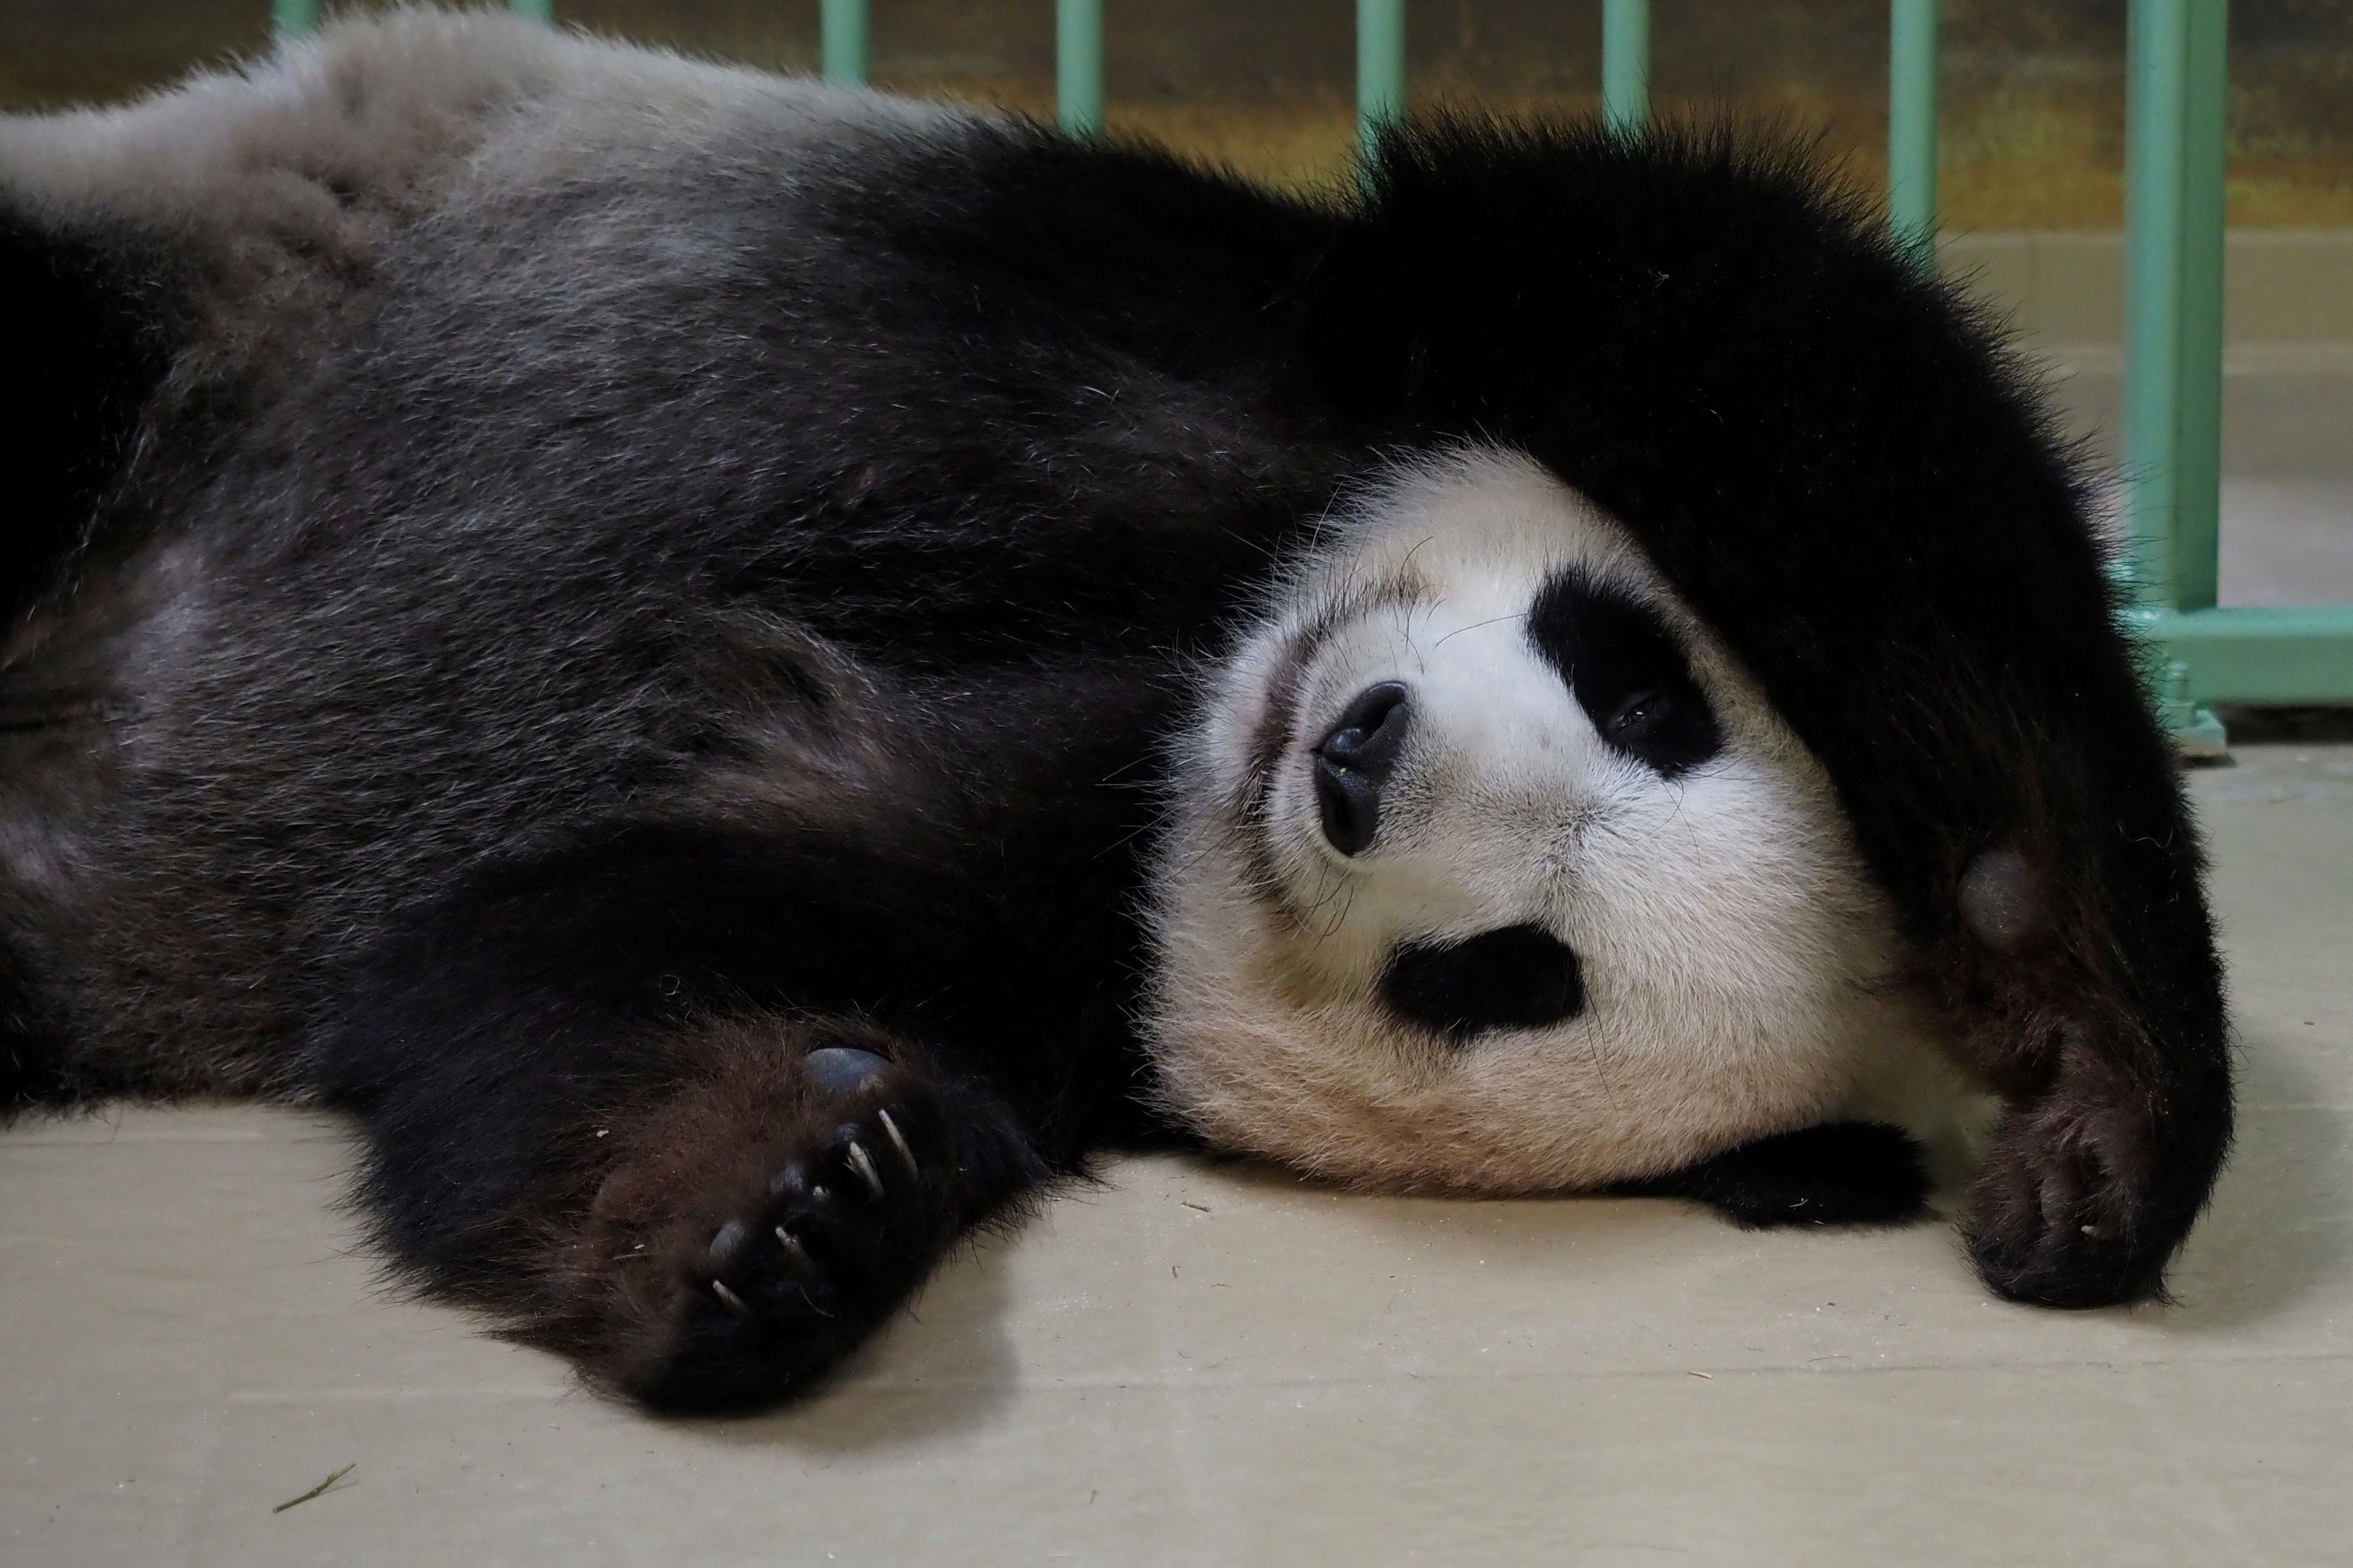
{"points": [[2175, 153]]}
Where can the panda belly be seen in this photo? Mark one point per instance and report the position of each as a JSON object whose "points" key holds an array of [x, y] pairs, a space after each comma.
{"points": [[1493, 871]]}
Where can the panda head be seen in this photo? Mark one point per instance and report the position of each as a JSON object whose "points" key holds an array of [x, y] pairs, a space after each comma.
{"points": [[1490, 868]]}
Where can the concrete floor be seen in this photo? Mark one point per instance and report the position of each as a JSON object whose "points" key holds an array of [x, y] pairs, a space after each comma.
{"points": [[1206, 1365]]}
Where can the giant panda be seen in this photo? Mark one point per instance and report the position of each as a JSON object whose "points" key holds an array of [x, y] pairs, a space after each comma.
{"points": [[746, 674]]}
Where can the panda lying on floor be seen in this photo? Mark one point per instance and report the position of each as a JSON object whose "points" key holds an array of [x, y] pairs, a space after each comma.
{"points": [[747, 673]]}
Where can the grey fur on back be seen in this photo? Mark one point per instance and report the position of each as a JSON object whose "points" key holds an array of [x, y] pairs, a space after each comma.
{"points": [[508, 370]]}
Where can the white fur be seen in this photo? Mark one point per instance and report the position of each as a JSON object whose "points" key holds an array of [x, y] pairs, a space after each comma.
{"points": [[1740, 967]]}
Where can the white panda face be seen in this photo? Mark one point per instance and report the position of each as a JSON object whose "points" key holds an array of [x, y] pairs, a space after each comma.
{"points": [[1491, 869]]}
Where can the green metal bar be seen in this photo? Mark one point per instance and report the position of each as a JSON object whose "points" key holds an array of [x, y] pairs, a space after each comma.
{"points": [[2174, 161], [1912, 127], [842, 45], [2198, 428], [534, 10], [2155, 81], [292, 18], [1626, 64], [1381, 69], [1078, 65], [2275, 654]]}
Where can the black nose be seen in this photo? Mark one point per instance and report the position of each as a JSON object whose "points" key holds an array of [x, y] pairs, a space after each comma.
{"points": [[1353, 762]]}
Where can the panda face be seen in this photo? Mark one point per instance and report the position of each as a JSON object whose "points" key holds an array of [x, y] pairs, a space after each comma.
{"points": [[1491, 869]]}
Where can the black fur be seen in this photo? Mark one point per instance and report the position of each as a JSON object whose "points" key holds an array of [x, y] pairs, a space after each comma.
{"points": [[611, 661], [1627, 673], [89, 340], [1515, 977], [31, 1066], [1846, 1173]]}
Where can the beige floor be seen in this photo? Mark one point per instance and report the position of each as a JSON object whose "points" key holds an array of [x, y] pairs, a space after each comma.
{"points": [[1200, 1366]]}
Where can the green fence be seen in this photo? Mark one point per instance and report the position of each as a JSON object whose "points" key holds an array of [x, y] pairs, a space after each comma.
{"points": [[2174, 137]]}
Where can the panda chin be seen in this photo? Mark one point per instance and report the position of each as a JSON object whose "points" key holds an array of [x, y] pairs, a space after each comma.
{"points": [[1589, 911]]}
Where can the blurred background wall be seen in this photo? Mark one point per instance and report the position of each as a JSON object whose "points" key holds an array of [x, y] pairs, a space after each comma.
{"points": [[2032, 145], [2034, 89]]}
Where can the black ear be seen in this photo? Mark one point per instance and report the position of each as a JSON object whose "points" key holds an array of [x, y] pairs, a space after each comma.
{"points": [[86, 349]]}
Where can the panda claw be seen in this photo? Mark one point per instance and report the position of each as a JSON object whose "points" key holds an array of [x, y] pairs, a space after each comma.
{"points": [[899, 1142], [863, 1164], [794, 1251], [731, 1301]]}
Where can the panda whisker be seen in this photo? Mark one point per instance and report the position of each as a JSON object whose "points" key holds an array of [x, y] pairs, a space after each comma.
{"points": [[1491, 621]]}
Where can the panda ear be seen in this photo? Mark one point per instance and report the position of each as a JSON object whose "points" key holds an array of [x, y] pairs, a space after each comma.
{"points": [[85, 350]]}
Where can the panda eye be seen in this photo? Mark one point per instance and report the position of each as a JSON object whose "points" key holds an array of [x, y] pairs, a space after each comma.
{"points": [[1640, 714], [1627, 671]]}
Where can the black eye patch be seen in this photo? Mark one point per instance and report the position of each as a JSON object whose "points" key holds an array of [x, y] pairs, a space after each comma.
{"points": [[1627, 671], [1515, 977]]}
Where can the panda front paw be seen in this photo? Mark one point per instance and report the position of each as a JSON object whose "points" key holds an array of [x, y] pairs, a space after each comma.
{"points": [[790, 1246], [822, 1240]]}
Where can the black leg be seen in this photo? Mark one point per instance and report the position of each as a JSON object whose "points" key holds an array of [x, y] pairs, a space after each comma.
{"points": [[32, 1070], [716, 1227], [1848, 1172], [595, 1111]]}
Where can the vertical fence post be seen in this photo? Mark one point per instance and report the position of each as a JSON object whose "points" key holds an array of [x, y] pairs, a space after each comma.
{"points": [[1078, 65], [534, 10], [2156, 72], [2175, 155], [1626, 64], [841, 41], [2174, 159], [2198, 430], [1380, 71], [292, 18], [1912, 128]]}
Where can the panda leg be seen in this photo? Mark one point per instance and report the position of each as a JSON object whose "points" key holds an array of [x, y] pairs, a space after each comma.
{"points": [[1847, 1173], [712, 1225]]}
